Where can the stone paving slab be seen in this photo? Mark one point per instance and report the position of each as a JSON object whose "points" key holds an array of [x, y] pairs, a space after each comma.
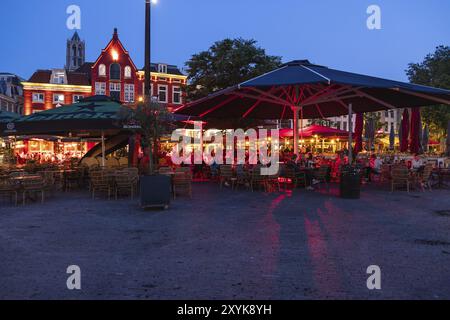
{"points": [[227, 244]]}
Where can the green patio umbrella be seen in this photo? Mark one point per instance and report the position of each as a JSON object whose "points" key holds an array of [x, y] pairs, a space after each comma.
{"points": [[92, 115], [6, 120]]}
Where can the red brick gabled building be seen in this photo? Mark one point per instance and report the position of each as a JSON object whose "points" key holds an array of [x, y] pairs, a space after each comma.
{"points": [[113, 74]]}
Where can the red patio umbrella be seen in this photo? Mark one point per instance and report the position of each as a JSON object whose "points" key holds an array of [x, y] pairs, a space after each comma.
{"points": [[359, 126], [416, 123], [405, 131]]}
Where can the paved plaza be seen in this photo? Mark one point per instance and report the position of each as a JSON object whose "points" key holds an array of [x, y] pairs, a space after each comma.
{"points": [[226, 244]]}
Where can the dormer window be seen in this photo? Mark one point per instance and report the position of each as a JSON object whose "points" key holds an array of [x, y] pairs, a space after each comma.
{"points": [[102, 70], [128, 72], [58, 77], [162, 68]]}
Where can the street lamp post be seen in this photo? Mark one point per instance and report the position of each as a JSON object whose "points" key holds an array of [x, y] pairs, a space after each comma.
{"points": [[148, 77]]}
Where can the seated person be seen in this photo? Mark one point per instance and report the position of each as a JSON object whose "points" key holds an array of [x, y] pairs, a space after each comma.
{"points": [[417, 163]]}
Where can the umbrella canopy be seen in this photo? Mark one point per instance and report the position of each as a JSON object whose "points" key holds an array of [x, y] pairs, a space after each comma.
{"points": [[416, 123], [7, 118], [321, 92], [94, 114], [426, 139], [315, 130], [392, 138], [405, 132], [299, 88], [359, 127]]}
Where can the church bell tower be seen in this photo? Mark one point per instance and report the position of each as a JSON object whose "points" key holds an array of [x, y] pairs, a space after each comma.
{"points": [[75, 56]]}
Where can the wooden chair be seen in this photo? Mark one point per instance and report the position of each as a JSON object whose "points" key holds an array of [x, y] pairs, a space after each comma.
{"points": [[182, 183], [256, 179], [273, 183], [100, 183], [49, 180], [424, 179], [33, 186], [297, 178], [7, 188], [400, 177], [321, 175], [124, 182], [227, 176], [242, 177], [72, 180], [385, 174]]}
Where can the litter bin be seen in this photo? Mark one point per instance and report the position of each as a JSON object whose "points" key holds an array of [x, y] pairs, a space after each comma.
{"points": [[350, 186]]}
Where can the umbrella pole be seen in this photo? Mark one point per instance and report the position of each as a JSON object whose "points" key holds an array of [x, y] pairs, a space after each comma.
{"points": [[103, 149], [350, 133], [296, 129]]}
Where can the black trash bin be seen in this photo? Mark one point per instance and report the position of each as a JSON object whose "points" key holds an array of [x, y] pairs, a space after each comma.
{"points": [[350, 186]]}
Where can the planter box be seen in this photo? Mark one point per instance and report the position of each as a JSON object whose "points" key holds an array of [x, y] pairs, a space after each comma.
{"points": [[155, 191], [350, 186]]}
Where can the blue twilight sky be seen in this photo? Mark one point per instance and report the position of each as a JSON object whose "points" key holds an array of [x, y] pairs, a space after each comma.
{"points": [[327, 32]]}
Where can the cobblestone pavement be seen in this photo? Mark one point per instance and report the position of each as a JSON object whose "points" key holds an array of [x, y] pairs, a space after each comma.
{"points": [[227, 244]]}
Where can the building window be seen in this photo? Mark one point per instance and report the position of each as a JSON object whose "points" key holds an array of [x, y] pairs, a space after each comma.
{"points": [[102, 70], [162, 93], [128, 72], [129, 92], [391, 114], [162, 68], [114, 71], [59, 78], [77, 98], [345, 126], [58, 99], [38, 97], [100, 88], [114, 90], [176, 96]]}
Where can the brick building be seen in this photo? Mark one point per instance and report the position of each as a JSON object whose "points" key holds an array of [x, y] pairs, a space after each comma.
{"points": [[113, 74]]}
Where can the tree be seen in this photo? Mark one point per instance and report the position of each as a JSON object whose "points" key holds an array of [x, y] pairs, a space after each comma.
{"points": [[434, 71], [225, 64], [152, 120]]}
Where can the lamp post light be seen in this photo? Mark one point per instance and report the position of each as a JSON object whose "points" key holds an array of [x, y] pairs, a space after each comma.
{"points": [[148, 78]]}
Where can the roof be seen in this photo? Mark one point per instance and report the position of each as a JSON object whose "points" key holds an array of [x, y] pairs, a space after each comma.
{"points": [[41, 76], [73, 78], [171, 69]]}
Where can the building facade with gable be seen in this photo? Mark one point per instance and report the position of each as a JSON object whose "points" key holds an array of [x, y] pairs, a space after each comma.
{"points": [[113, 74]]}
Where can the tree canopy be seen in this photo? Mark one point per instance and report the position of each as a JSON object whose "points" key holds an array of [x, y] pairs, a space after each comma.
{"points": [[227, 63], [434, 71]]}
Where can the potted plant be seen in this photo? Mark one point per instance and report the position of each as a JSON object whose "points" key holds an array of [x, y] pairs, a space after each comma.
{"points": [[152, 120]]}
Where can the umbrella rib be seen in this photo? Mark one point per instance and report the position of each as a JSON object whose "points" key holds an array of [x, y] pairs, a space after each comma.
{"points": [[267, 94], [263, 75], [422, 95], [317, 73], [220, 105], [368, 96]]}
